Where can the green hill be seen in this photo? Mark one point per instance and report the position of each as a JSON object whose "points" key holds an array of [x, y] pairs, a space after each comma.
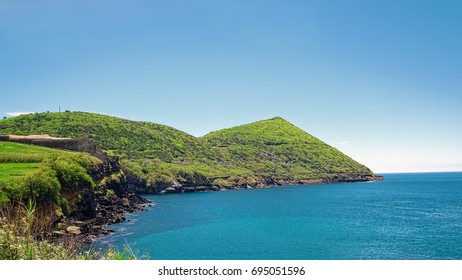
{"points": [[258, 154], [128, 139], [276, 149]]}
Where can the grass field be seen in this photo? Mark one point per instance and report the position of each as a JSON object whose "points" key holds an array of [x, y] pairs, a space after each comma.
{"points": [[8, 170], [19, 159], [15, 152]]}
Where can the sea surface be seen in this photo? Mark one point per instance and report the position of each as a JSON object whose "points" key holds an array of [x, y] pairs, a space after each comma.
{"points": [[407, 216]]}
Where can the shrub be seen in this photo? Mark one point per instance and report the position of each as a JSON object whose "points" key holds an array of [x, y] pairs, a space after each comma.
{"points": [[42, 186], [65, 207], [3, 195], [71, 172]]}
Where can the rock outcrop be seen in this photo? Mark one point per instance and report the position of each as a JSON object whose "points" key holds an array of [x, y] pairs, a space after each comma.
{"points": [[94, 208]]}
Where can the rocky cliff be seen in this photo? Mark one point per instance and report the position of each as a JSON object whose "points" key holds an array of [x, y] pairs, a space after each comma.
{"points": [[94, 208]]}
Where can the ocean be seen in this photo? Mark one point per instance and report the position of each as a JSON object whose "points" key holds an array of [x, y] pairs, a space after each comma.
{"points": [[406, 217]]}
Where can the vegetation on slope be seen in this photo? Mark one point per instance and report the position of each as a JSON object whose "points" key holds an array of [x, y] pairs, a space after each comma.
{"points": [[127, 139], [257, 154], [279, 150], [155, 153]]}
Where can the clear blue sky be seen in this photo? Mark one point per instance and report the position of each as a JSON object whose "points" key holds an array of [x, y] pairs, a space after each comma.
{"points": [[380, 80]]}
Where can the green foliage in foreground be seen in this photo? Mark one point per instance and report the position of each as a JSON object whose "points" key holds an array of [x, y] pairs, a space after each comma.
{"points": [[20, 239], [158, 154]]}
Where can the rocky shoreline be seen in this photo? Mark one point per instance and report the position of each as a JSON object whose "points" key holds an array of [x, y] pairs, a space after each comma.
{"points": [[86, 231], [188, 187], [113, 210]]}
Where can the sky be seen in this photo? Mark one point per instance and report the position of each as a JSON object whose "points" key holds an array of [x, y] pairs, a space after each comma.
{"points": [[379, 80]]}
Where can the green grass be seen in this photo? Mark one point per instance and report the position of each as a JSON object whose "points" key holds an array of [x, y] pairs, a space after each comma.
{"points": [[9, 170], [23, 153], [20, 159], [15, 152]]}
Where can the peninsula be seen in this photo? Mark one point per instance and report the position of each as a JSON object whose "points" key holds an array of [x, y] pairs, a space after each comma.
{"points": [[160, 159]]}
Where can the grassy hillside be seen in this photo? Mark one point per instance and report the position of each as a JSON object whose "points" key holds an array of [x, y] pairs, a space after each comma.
{"points": [[256, 154], [129, 139], [277, 149], [155, 153]]}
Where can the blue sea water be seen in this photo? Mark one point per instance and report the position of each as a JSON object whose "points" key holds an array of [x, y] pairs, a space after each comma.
{"points": [[407, 216]]}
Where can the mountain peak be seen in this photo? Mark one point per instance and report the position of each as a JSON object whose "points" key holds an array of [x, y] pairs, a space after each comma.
{"points": [[277, 118]]}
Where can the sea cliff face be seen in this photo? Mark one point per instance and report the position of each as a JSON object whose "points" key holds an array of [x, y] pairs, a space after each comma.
{"points": [[93, 209]]}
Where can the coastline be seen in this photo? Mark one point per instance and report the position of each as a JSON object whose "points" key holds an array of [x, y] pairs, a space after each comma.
{"points": [[187, 187], [77, 231]]}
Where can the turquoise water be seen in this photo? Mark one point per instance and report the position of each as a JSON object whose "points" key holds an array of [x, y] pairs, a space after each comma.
{"points": [[408, 216]]}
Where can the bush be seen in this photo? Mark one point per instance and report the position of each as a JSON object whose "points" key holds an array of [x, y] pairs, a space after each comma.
{"points": [[3, 195], [65, 207], [71, 171], [41, 186], [44, 185]]}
